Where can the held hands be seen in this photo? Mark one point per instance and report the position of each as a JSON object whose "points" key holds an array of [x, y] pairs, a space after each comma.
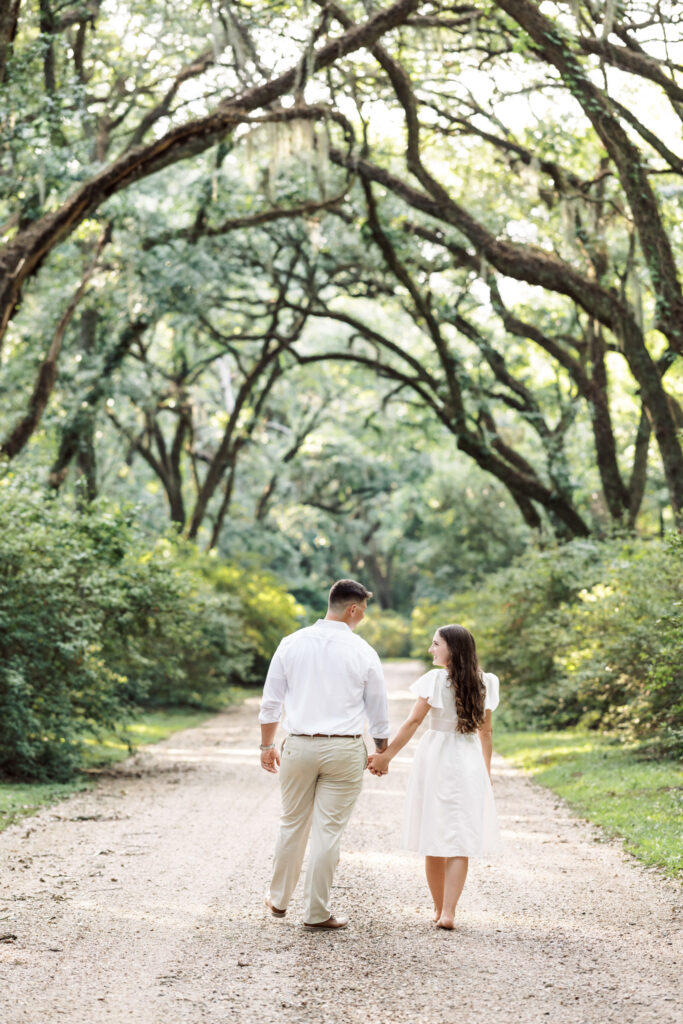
{"points": [[378, 764]]}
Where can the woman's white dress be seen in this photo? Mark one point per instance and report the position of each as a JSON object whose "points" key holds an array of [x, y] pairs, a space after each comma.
{"points": [[449, 809]]}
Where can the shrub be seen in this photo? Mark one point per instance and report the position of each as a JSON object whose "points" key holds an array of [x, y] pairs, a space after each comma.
{"points": [[94, 624], [171, 636], [626, 646], [388, 632], [590, 632], [266, 611], [57, 587]]}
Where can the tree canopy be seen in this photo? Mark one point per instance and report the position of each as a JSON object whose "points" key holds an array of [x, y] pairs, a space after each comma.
{"points": [[263, 257]]}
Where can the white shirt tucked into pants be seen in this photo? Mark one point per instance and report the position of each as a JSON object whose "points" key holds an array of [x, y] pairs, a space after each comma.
{"points": [[330, 682]]}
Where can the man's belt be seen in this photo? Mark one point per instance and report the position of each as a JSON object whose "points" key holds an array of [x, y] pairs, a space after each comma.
{"points": [[329, 735]]}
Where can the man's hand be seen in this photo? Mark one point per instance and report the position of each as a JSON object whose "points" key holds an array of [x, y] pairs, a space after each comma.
{"points": [[270, 760], [373, 768]]}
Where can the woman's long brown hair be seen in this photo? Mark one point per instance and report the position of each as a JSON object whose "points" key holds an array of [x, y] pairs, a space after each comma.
{"points": [[465, 677]]}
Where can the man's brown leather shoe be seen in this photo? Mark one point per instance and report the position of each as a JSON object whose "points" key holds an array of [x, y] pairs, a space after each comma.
{"points": [[275, 911], [332, 922]]}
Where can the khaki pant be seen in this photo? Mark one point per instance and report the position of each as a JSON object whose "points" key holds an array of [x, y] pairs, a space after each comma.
{"points": [[320, 779]]}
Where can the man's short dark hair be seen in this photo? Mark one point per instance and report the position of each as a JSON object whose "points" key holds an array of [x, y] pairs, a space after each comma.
{"points": [[345, 592]]}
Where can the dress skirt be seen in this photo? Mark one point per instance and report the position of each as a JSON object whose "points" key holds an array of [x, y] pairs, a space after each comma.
{"points": [[449, 810]]}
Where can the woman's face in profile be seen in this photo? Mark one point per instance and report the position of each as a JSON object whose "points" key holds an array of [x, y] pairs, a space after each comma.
{"points": [[439, 651]]}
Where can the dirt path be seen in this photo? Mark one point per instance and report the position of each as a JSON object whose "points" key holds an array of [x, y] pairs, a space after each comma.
{"points": [[143, 900]]}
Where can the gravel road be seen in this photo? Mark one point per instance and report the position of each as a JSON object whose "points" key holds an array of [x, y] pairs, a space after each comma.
{"points": [[143, 900]]}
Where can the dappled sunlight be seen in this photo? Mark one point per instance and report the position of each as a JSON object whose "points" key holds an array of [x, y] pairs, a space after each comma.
{"points": [[539, 830], [529, 878], [381, 858], [544, 820], [525, 836], [504, 769], [537, 756], [250, 345], [175, 918], [200, 755]]}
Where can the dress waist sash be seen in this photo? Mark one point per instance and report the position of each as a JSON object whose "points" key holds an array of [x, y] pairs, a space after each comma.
{"points": [[442, 725], [448, 725]]}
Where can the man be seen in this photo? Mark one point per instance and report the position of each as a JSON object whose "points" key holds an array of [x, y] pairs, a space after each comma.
{"points": [[329, 681]]}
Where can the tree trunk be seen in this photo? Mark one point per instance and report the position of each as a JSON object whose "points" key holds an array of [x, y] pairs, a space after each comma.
{"points": [[176, 504], [9, 20], [85, 457], [170, 463], [227, 498], [520, 484], [47, 374], [614, 490], [68, 446], [47, 30], [639, 474]]}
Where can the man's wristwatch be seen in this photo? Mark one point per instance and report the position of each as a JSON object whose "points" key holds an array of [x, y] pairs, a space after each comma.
{"points": [[267, 746]]}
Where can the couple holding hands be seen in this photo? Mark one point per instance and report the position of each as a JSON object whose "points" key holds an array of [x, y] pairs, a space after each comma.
{"points": [[330, 683]]}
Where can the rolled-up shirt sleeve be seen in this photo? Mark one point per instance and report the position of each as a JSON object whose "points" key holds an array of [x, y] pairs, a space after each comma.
{"points": [[274, 691], [375, 701]]}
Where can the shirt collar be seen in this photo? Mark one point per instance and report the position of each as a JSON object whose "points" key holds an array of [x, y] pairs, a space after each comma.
{"points": [[333, 624]]}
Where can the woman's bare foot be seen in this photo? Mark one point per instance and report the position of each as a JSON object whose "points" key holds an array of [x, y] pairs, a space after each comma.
{"points": [[445, 922], [437, 915]]}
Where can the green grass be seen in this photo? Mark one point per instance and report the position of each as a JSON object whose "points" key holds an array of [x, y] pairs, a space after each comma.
{"points": [[150, 727], [602, 780], [21, 799]]}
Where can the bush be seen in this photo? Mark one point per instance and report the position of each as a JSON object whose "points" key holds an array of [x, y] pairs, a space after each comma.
{"points": [[388, 632], [266, 611], [56, 590], [588, 633], [175, 640], [625, 651], [94, 624]]}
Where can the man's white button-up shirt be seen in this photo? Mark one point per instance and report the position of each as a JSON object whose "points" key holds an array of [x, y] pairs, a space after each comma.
{"points": [[329, 681]]}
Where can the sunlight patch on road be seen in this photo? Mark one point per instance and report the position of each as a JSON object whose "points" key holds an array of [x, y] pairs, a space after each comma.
{"points": [[381, 858], [537, 838], [504, 768], [138, 913], [192, 755]]}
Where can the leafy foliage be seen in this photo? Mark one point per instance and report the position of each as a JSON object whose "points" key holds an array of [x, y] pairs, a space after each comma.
{"points": [[387, 632], [94, 623], [589, 633]]}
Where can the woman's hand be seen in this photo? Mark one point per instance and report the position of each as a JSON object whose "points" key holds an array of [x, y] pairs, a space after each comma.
{"points": [[378, 764]]}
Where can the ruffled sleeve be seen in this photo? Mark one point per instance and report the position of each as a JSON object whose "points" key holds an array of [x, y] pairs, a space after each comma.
{"points": [[492, 691], [429, 686]]}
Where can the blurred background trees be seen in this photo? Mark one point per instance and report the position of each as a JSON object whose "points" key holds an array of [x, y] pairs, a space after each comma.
{"points": [[358, 288]]}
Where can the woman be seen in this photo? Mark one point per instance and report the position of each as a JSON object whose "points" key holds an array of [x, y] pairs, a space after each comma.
{"points": [[450, 815]]}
